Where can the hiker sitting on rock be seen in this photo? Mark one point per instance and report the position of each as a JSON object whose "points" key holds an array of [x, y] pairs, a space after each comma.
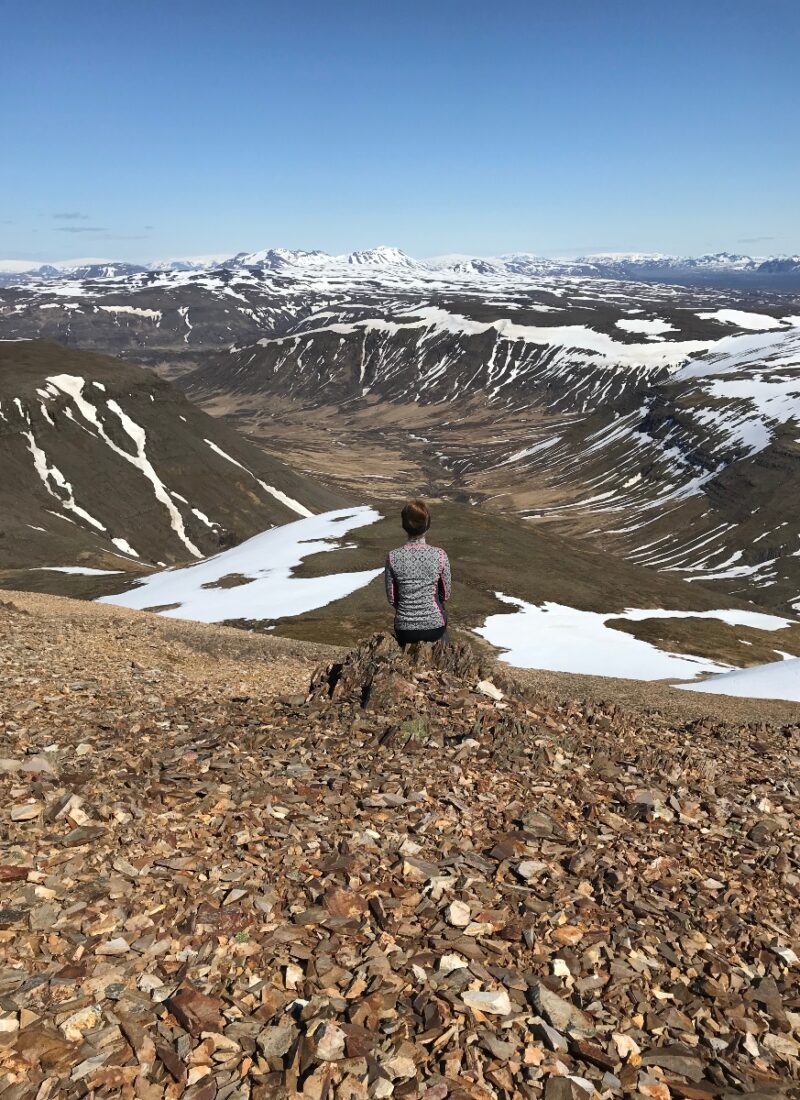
{"points": [[418, 581]]}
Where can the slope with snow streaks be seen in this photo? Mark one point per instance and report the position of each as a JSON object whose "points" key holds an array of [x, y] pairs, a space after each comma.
{"points": [[103, 460], [73, 387]]}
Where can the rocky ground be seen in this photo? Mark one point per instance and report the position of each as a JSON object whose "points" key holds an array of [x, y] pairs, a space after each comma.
{"points": [[223, 875]]}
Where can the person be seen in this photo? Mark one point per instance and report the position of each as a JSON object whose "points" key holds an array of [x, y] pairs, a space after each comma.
{"points": [[418, 581]]}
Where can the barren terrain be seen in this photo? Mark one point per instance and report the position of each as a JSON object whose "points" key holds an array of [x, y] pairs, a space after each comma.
{"points": [[219, 884]]}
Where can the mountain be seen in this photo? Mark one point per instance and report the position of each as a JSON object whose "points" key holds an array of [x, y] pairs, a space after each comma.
{"points": [[107, 466], [609, 265], [656, 421], [666, 431]]}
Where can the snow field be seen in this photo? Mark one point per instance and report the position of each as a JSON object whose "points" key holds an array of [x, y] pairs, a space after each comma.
{"points": [[558, 638], [265, 562]]}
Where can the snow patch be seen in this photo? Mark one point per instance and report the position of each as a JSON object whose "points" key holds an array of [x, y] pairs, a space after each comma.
{"points": [[758, 322], [564, 639], [648, 328], [125, 547], [78, 570], [267, 561], [152, 314], [779, 680]]}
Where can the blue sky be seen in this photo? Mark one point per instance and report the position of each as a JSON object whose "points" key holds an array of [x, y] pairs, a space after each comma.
{"points": [[161, 128]]}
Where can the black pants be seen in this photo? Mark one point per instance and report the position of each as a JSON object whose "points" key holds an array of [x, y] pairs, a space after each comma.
{"points": [[408, 637]]}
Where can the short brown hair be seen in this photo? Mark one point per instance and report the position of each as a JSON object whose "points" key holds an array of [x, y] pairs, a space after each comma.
{"points": [[416, 517]]}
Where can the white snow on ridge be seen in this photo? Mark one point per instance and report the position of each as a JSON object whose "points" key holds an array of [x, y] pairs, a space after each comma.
{"points": [[267, 561], [651, 355], [289, 502], [748, 408], [763, 403], [755, 321], [564, 639], [72, 385], [778, 680]]}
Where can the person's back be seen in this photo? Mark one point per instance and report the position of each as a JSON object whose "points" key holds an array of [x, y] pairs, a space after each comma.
{"points": [[418, 581]]}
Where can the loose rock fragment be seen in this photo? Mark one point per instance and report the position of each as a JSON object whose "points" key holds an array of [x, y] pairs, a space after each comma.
{"points": [[496, 1002]]}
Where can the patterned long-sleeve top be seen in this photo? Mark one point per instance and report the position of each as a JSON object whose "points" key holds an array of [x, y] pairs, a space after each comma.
{"points": [[418, 583]]}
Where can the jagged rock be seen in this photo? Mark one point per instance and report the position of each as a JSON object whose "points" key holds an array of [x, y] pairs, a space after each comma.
{"points": [[194, 1011], [378, 673], [560, 1013], [275, 1041], [328, 1042]]}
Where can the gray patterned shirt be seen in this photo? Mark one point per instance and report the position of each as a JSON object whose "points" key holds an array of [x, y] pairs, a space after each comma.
{"points": [[418, 585]]}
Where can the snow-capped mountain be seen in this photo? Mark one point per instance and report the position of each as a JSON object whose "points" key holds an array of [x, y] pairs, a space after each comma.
{"points": [[621, 265], [384, 256]]}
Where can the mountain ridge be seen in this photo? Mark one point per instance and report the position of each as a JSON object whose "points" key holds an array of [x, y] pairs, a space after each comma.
{"points": [[553, 398], [601, 265]]}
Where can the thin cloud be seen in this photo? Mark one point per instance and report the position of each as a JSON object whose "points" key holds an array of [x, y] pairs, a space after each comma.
{"points": [[72, 215], [755, 240], [81, 229]]}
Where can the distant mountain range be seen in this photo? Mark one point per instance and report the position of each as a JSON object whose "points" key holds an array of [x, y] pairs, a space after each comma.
{"points": [[614, 265]]}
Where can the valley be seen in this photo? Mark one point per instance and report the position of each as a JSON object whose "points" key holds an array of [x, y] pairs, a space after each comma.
{"points": [[617, 444]]}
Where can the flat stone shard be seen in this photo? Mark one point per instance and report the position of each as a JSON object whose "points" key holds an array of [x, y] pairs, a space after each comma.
{"points": [[486, 687], [496, 1002], [79, 1022], [458, 914]]}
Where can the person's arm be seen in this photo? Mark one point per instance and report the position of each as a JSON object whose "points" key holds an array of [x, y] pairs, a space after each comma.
{"points": [[445, 577], [389, 580]]}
